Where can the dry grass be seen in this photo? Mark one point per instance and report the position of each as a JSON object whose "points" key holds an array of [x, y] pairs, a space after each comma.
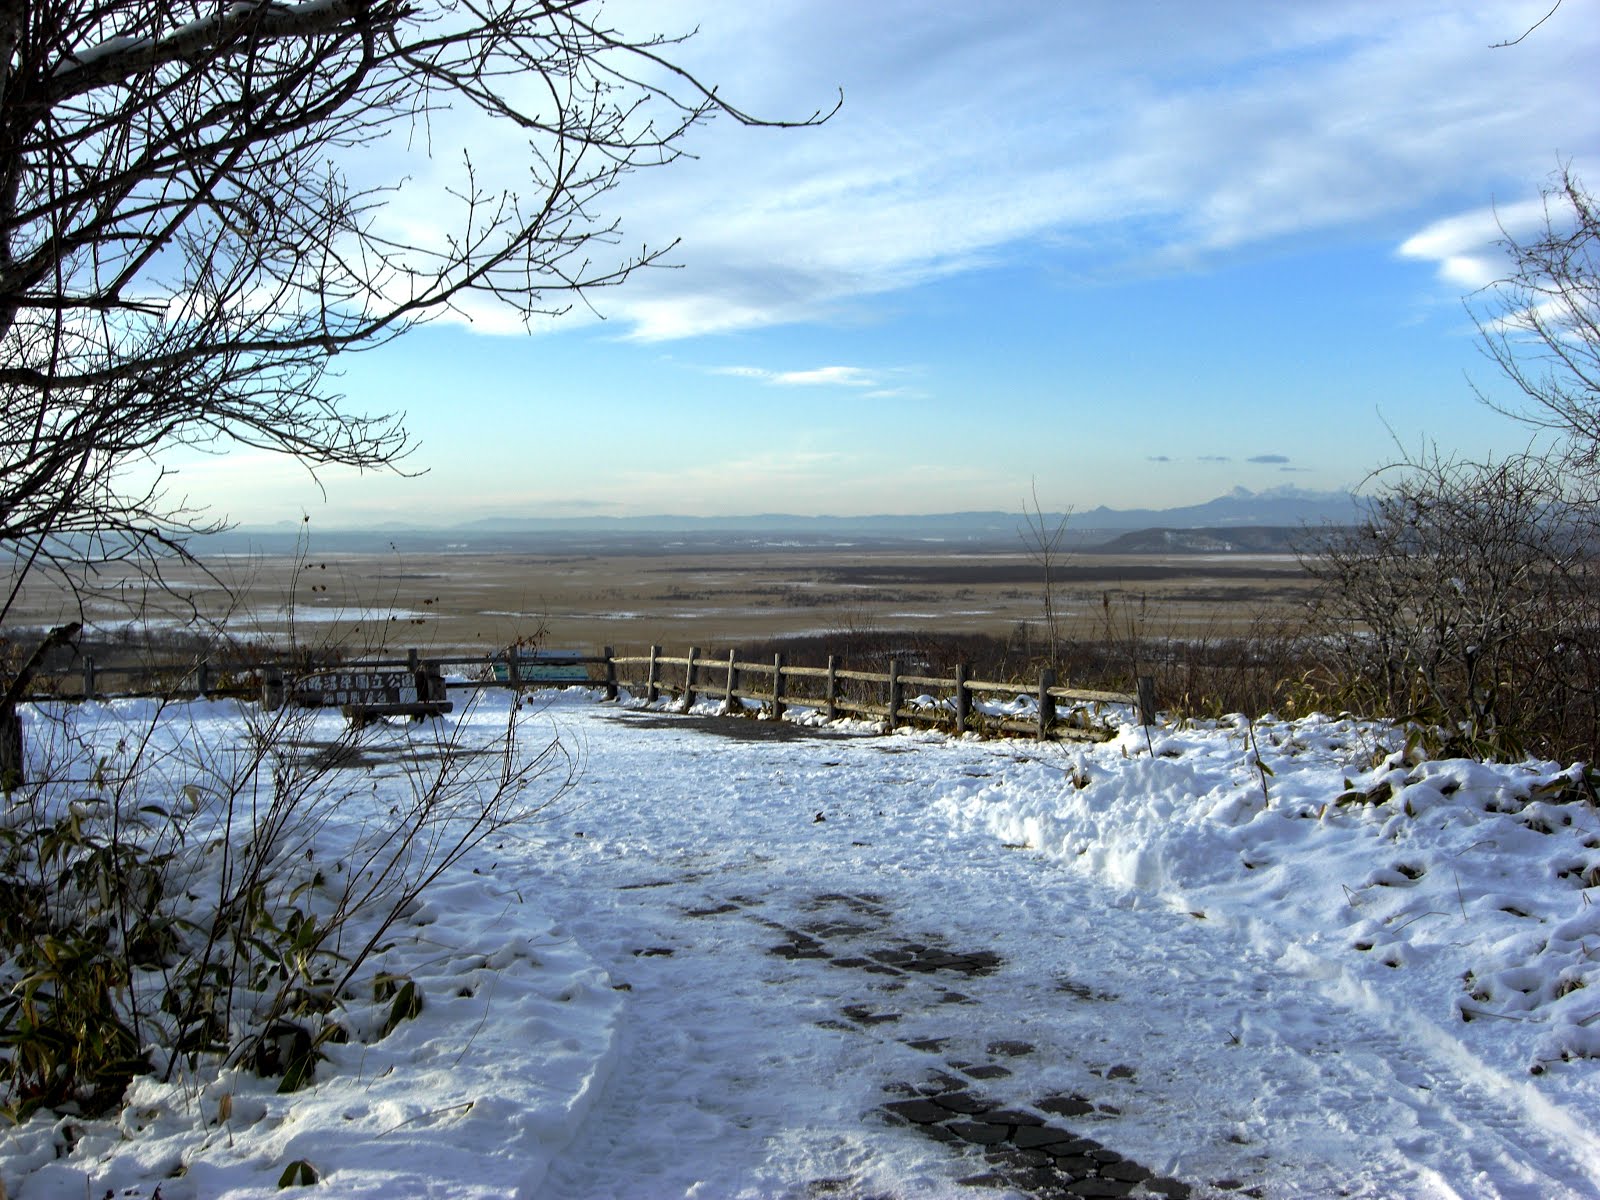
{"points": [[465, 601]]}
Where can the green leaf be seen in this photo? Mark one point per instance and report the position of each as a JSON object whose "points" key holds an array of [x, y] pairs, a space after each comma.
{"points": [[301, 1070], [385, 984], [407, 1005], [299, 1173], [306, 935]]}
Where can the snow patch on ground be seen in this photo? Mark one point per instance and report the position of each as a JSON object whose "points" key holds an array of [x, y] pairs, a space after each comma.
{"points": [[1275, 954], [1457, 892]]}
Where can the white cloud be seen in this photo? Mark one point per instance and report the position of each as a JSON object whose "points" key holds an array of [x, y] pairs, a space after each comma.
{"points": [[1468, 271], [1470, 231], [1466, 246], [668, 318], [1083, 126], [828, 376], [974, 134], [847, 377]]}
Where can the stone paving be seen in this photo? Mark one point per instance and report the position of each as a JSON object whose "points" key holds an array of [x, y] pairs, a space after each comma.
{"points": [[1021, 1146]]}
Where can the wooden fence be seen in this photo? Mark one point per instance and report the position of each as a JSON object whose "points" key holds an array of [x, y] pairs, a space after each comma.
{"points": [[895, 697], [1060, 712], [247, 677]]}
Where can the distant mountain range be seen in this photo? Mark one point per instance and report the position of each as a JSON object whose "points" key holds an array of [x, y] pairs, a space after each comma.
{"points": [[1240, 508], [1280, 507], [1256, 522]]}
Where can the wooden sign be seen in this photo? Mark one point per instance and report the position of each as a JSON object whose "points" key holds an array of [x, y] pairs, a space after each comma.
{"points": [[363, 694]]}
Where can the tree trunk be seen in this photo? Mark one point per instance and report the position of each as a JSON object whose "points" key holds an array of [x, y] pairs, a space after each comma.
{"points": [[11, 773]]}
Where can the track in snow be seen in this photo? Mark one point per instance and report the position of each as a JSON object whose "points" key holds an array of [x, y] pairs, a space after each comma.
{"points": [[751, 1070]]}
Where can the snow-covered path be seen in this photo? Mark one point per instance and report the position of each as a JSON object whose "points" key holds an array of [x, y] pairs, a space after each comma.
{"points": [[753, 1063], [744, 959]]}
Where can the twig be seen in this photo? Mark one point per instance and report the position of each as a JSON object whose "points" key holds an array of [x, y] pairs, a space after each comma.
{"points": [[1483, 1012], [1418, 917], [488, 1003], [1528, 30], [1262, 770], [464, 1108]]}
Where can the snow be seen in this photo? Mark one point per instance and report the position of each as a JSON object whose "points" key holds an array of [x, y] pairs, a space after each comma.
{"points": [[680, 981], [199, 29]]}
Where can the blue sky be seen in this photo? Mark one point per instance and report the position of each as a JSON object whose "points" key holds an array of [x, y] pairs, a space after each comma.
{"points": [[1139, 254]]}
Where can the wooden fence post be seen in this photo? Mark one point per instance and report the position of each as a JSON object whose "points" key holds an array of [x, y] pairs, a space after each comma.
{"points": [[833, 688], [202, 678], [777, 687], [688, 679], [652, 681], [1047, 702], [1147, 700], [963, 699], [733, 682], [894, 693], [611, 673], [413, 661], [514, 667], [88, 677]]}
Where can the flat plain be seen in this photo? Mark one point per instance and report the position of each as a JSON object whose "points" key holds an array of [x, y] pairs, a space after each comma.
{"points": [[677, 593]]}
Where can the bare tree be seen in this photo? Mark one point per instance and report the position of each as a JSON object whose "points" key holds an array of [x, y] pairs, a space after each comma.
{"points": [[1540, 324], [184, 247]]}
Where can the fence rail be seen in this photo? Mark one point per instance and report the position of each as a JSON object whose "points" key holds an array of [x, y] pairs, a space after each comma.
{"points": [[1060, 712], [697, 675]]}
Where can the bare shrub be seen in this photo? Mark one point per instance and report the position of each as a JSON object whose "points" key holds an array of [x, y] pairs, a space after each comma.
{"points": [[184, 899], [1464, 601], [1205, 672], [1042, 538]]}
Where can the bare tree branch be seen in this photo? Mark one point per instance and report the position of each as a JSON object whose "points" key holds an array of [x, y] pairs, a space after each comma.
{"points": [[1540, 323], [184, 247], [1528, 30]]}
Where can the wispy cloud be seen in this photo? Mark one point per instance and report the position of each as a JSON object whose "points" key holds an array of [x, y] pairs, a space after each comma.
{"points": [[1271, 459], [972, 136], [845, 377], [1068, 126], [854, 377], [1467, 245]]}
